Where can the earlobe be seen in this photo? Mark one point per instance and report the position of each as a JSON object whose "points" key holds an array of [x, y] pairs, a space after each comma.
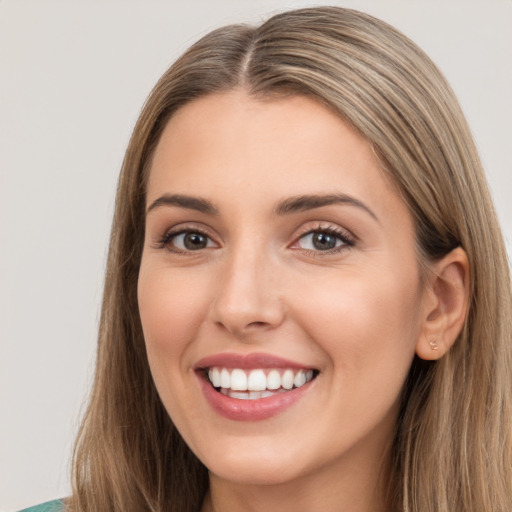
{"points": [[446, 304]]}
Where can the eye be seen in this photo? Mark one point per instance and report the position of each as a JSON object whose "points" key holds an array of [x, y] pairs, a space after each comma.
{"points": [[187, 240], [324, 240]]}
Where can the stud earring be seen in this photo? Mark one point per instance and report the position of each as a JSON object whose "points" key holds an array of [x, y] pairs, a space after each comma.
{"points": [[433, 345]]}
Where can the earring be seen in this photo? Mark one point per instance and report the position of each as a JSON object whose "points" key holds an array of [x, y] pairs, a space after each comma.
{"points": [[433, 345]]}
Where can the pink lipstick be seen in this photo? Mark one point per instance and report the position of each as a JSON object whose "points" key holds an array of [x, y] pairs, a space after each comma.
{"points": [[252, 387]]}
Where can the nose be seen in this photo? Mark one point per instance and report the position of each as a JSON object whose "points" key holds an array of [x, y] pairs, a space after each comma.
{"points": [[248, 298]]}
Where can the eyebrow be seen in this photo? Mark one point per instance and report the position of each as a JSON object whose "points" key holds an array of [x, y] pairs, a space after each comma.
{"points": [[309, 202], [189, 202], [285, 207]]}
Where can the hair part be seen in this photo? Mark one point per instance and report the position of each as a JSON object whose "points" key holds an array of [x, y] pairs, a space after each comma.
{"points": [[453, 446]]}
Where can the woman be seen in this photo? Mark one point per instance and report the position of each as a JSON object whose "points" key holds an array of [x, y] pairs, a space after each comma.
{"points": [[300, 310]]}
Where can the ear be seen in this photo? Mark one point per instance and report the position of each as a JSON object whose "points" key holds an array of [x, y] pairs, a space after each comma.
{"points": [[445, 305]]}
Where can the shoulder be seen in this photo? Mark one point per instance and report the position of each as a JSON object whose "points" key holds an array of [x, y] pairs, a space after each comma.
{"points": [[49, 506]]}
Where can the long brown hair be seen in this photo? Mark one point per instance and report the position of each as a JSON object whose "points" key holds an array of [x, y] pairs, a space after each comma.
{"points": [[452, 450]]}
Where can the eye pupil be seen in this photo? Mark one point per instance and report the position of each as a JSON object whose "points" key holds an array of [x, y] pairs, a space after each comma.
{"points": [[194, 241], [324, 241]]}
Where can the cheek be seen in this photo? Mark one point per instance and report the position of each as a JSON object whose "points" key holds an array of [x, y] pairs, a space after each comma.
{"points": [[367, 323], [170, 306], [172, 311]]}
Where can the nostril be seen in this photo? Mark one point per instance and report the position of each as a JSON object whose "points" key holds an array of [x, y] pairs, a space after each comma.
{"points": [[257, 324]]}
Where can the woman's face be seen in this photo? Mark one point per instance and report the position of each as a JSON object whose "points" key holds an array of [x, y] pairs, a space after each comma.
{"points": [[277, 255]]}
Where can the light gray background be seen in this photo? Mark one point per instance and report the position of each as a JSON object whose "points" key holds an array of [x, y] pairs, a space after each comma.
{"points": [[73, 77]]}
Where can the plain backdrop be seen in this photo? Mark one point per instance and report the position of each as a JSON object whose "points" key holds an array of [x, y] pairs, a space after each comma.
{"points": [[73, 77]]}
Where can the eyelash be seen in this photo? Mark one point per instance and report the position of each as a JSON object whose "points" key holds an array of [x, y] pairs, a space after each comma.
{"points": [[169, 236], [347, 240], [341, 235]]}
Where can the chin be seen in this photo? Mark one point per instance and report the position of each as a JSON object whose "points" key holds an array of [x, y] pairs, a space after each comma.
{"points": [[253, 474], [261, 463]]}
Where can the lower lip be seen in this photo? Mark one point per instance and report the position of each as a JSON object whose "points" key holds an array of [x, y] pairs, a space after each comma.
{"points": [[251, 410]]}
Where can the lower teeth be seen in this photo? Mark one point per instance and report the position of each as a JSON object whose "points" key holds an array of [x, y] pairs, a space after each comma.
{"points": [[250, 395]]}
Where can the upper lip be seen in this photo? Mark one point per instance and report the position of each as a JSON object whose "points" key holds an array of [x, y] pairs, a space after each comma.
{"points": [[248, 361]]}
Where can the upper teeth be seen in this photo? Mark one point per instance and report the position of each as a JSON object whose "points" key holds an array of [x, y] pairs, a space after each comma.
{"points": [[259, 379]]}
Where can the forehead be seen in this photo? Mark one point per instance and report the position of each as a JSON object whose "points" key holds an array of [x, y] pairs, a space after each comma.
{"points": [[235, 145]]}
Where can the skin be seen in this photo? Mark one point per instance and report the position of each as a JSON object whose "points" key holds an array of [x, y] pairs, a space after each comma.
{"points": [[357, 313]]}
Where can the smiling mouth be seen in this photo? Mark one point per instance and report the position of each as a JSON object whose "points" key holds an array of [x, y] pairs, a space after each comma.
{"points": [[257, 383]]}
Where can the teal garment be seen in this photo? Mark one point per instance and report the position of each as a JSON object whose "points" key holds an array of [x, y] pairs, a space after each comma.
{"points": [[49, 506]]}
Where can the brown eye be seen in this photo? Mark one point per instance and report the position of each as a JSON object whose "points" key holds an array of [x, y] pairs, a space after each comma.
{"points": [[187, 241], [194, 241]]}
